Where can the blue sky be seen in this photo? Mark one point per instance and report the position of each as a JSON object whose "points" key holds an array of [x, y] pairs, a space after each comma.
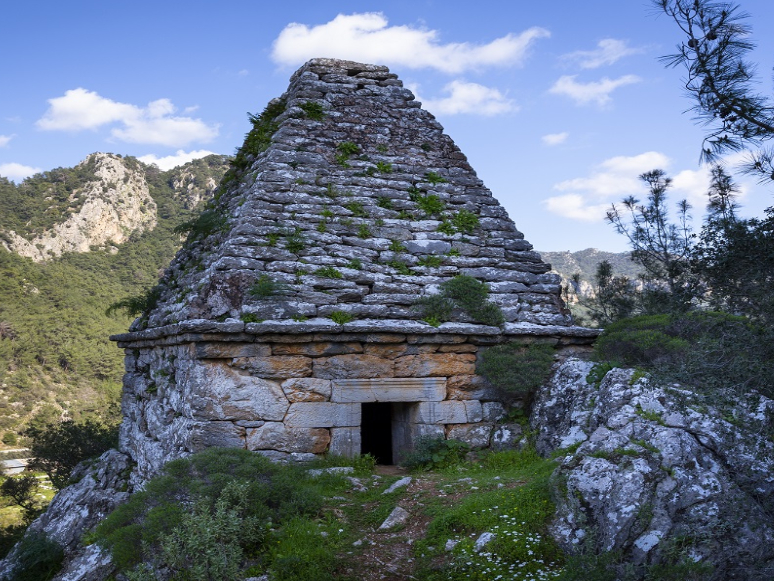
{"points": [[558, 105]]}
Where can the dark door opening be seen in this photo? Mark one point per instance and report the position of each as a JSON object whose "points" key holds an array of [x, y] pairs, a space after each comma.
{"points": [[376, 431]]}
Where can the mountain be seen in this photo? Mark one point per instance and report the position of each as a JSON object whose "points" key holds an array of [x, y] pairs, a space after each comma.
{"points": [[584, 263], [72, 242]]}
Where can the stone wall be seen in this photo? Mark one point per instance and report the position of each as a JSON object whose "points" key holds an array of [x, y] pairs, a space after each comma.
{"points": [[291, 396]]}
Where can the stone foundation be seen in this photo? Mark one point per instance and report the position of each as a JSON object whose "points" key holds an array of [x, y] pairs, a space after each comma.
{"points": [[292, 396]]}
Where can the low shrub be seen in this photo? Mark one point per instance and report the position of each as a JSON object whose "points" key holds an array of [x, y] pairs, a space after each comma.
{"points": [[515, 367], [207, 515], [709, 350], [433, 452]]}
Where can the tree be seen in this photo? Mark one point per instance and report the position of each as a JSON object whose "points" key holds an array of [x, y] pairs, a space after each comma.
{"points": [[660, 246], [57, 449], [720, 81], [23, 491]]}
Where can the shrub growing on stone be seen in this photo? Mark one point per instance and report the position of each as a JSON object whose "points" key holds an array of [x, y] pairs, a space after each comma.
{"points": [[515, 367]]}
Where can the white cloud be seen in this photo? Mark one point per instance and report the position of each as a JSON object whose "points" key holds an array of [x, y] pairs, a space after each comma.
{"points": [[608, 51], [179, 158], [17, 172], [366, 37], [555, 138], [5, 139], [576, 207], [595, 91], [588, 198], [470, 98], [80, 109]]}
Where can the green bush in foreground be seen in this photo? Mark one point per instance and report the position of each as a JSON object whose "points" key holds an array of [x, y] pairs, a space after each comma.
{"points": [[209, 516]]}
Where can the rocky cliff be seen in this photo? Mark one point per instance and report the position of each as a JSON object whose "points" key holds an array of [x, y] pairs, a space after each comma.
{"points": [[114, 204]]}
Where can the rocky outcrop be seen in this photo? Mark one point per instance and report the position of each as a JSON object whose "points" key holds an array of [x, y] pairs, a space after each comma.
{"points": [[101, 486], [116, 204], [658, 474]]}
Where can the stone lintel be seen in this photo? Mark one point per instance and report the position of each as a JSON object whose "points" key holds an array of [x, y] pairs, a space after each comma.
{"points": [[322, 414], [447, 412], [389, 390]]}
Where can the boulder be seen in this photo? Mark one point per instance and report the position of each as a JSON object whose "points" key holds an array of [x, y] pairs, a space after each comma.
{"points": [[654, 472]]}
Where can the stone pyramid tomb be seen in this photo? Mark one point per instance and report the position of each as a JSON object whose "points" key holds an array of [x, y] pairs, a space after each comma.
{"points": [[335, 294]]}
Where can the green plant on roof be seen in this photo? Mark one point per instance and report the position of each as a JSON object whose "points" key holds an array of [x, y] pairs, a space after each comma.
{"points": [[257, 139], [137, 305], [426, 146], [414, 192], [272, 238], [357, 209], [363, 231], [400, 266], [295, 241], [446, 227], [435, 309], [465, 221], [430, 204], [328, 272], [397, 246], [383, 202], [348, 148], [405, 215], [383, 167], [381, 148], [313, 110], [326, 213], [453, 252], [431, 261], [355, 263], [434, 178], [341, 318], [250, 318], [466, 293], [322, 227], [206, 223], [265, 287]]}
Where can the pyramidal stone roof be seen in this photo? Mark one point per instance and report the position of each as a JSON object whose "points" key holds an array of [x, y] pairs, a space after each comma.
{"points": [[346, 204]]}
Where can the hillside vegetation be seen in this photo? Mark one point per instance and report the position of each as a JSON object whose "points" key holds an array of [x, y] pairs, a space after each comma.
{"points": [[55, 357]]}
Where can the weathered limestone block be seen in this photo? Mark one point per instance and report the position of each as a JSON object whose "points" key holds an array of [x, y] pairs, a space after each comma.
{"points": [[475, 435], [507, 436], [462, 387], [387, 351], [435, 365], [389, 389], [492, 411], [220, 434], [427, 430], [275, 367], [352, 367], [447, 412], [307, 389], [345, 442], [231, 350], [276, 436], [317, 349], [220, 393], [322, 415]]}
